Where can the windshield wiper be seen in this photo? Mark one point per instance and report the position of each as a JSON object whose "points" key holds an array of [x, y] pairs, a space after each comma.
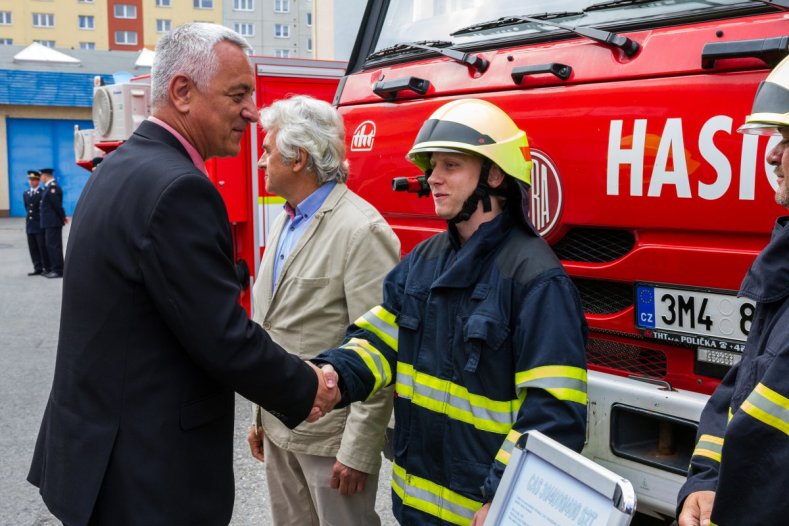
{"points": [[512, 20], [475, 61], [781, 4], [630, 47], [610, 4]]}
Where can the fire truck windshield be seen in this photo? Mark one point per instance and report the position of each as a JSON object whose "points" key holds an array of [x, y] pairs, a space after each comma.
{"points": [[443, 20]]}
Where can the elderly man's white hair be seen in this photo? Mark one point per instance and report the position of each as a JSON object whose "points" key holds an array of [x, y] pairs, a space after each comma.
{"points": [[313, 125], [189, 49]]}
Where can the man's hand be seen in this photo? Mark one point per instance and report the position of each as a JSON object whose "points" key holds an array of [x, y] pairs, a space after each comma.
{"points": [[255, 439], [697, 509], [328, 392], [347, 480], [481, 515]]}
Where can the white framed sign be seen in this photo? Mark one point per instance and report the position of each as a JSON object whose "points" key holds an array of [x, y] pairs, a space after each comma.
{"points": [[548, 484]]}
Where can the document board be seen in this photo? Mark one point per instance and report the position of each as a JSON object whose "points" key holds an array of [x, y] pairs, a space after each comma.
{"points": [[548, 484]]}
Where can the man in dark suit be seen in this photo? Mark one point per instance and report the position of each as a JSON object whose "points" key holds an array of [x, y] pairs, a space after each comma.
{"points": [[35, 235], [138, 429], [53, 217]]}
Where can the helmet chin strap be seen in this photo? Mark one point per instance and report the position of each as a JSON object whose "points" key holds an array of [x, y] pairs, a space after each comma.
{"points": [[481, 193]]}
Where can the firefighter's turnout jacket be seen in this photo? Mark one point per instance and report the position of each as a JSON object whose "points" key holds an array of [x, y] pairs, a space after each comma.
{"points": [[742, 449], [484, 341]]}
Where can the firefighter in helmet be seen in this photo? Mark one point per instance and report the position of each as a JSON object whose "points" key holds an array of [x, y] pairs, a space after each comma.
{"points": [[480, 329], [737, 473]]}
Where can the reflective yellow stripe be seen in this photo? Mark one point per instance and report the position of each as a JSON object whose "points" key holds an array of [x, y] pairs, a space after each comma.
{"points": [[711, 438], [709, 446], [768, 407], [271, 200], [700, 452], [453, 400], [380, 322], [563, 382], [431, 498], [373, 359], [504, 453]]}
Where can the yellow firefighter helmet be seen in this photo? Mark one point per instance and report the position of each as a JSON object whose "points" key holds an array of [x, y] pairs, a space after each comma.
{"points": [[477, 127], [770, 110]]}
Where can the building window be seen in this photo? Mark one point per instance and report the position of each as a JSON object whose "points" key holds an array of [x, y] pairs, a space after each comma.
{"points": [[125, 11], [163, 3], [309, 19], [46, 43], [126, 38], [203, 4], [5, 18], [6, 41], [86, 22], [282, 6], [282, 53], [163, 25], [87, 45], [43, 20], [309, 45], [281, 31], [245, 30], [244, 5]]}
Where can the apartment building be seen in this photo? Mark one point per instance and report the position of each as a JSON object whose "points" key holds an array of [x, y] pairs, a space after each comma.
{"points": [[114, 25], [324, 29], [277, 28], [336, 25]]}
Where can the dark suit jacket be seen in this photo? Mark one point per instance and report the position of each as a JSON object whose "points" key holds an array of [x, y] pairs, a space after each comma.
{"points": [[52, 213], [138, 428], [32, 199]]}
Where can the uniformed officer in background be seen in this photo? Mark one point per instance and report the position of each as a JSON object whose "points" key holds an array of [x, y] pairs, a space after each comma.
{"points": [[53, 217], [35, 235]]}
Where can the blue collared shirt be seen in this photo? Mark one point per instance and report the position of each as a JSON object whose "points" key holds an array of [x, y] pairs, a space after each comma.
{"points": [[296, 224]]}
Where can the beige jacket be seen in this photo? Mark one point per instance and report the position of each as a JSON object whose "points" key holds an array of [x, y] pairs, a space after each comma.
{"points": [[334, 275]]}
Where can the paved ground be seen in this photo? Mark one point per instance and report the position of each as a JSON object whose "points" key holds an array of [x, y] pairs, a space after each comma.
{"points": [[29, 320]]}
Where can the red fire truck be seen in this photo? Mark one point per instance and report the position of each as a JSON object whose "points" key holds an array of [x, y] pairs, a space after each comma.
{"points": [[118, 109], [653, 202]]}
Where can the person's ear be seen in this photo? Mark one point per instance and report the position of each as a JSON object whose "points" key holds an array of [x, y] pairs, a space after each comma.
{"points": [[300, 162], [495, 176], [181, 92]]}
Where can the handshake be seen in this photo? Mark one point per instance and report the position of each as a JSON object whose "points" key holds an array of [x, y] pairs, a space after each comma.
{"points": [[328, 394]]}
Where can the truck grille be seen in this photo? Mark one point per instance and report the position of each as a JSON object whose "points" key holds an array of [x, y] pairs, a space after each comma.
{"points": [[627, 358], [594, 245], [604, 297]]}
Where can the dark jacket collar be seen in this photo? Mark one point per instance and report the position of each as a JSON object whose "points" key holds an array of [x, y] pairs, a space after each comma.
{"points": [[152, 131], [465, 263], [768, 278]]}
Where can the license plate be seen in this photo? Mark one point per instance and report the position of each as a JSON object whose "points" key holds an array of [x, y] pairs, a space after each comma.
{"points": [[693, 317]]}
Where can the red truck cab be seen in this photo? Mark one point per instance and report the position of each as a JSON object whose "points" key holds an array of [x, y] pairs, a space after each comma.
{"points": [[654, 203]]}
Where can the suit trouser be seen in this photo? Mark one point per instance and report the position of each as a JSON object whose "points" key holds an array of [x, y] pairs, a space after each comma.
{"points": [[54, 242], [38, 252], [301, 494]]}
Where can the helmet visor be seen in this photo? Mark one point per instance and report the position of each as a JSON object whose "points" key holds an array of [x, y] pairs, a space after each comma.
{"points": [[761, 128], [770, 110]]}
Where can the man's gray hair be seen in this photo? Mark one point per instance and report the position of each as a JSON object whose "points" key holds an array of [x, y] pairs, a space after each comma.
{"points": [[189, 49], [302, 122]]}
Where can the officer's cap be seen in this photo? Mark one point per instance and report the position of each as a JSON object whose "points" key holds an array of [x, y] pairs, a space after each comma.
{"points": [[33, 174]]}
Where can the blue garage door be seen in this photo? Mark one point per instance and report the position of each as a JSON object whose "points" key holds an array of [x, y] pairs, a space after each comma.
{"points": [[44, 143]]}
